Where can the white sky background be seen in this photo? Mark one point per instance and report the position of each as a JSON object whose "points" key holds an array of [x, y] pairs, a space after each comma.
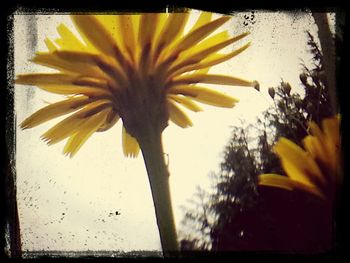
{"points": [[70, 204]]}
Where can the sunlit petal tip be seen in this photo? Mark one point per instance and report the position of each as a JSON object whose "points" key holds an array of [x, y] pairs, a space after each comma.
{"points": [[276, 180], [50, 45], [212, 79], [130, 155], [34, 59], [280, 144], [18, 79], [178, 116], [226, 17], [239, 37], [201, 32], [283, 182], [248, 44], [24, 125], [131, 147], [186, 102], [298, 164], [45, 139], [78, 137], [68, 154], [205, 95]]}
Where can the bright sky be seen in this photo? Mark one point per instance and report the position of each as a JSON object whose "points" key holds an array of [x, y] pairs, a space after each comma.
{"points": [[70, 204]]}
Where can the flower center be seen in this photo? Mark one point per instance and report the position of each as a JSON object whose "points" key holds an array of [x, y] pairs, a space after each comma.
{"points": [[142, 104]]}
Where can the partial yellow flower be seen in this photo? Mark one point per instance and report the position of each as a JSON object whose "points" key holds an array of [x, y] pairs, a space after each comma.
{"points": [[142, 69], [317, 169]]}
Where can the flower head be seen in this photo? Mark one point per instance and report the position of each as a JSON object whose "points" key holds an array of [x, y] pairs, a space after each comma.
{"points": [[139, 68], [317, 169]]}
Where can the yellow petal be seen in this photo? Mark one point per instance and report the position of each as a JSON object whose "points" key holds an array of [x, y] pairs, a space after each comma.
{"points": [[203, 19], [211, 79], [331, 130], [127, 29], [316, 131], [54, 110], [212, 45], [177, 115], [60, 79], [207, 43], [211, 61], [91, 82], [186, 56], [68, 40], [148, 26], [112, 25], [87, 128], [62, 130], [186, 102], [95, 33], [283, 182], [315, 148], [298, 165], [130, 145], [172, 29], [201, 71], [201, 53], [136, 24], [71, 124], [107, 66], [75, 90], [210, 41], [325, 142], [276, 180], [200, 33], [45, 78], [215, 43], [205, 95], [135, 53], [50, 45], [162, 18], [53, 60]]}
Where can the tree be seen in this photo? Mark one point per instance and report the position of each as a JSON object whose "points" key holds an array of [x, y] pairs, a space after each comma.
{"points": [[248, 217]]}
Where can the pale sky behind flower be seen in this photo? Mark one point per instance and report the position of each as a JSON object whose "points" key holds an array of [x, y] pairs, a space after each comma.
{"points": [[71, 203]]}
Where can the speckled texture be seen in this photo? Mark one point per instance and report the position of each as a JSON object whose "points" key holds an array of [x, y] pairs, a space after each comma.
{"points": [[71, 204]]}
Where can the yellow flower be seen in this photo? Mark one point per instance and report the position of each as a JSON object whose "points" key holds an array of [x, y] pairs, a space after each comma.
{"points": [[317, 169], [138, 68]]}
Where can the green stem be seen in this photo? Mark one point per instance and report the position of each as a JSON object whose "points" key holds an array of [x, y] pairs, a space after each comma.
{"points": [[158, 175]]}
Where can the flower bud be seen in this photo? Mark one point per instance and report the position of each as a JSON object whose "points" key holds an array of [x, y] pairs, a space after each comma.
{"points": [[256, 85], [286, 87], [272, 92]]}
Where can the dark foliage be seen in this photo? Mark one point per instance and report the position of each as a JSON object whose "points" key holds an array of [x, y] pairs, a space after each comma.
{"points": [[239, 215]]}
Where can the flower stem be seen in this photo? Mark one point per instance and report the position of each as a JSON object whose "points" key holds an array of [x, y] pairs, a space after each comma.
{"points": [[158, 175]]}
